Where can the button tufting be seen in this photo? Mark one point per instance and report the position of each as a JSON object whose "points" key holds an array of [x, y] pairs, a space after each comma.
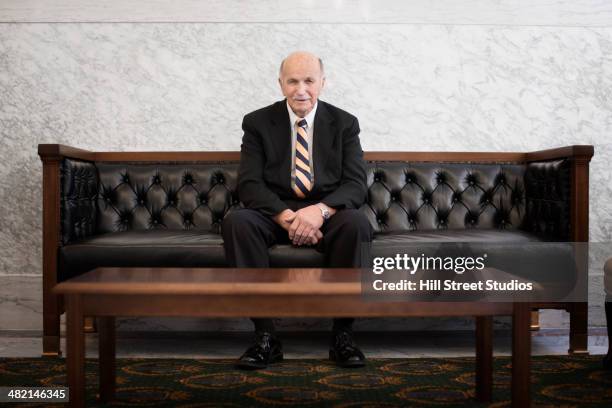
{"points": [[455, 188]]}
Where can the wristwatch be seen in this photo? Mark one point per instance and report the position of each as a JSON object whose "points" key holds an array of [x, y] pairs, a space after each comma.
{"points": [[324, 211]]}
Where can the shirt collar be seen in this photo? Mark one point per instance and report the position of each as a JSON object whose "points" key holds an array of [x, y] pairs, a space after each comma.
{"points": [[309, 118]]}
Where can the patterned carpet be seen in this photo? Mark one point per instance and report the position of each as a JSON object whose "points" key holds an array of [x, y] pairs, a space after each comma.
{"points": [[557, 381]]}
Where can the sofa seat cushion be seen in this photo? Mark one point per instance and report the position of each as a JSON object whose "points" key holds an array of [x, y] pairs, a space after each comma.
{"points": [[161, 248], [414, 238], [165, 248]]}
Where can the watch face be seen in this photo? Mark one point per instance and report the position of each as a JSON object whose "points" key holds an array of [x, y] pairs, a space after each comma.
{"points": [[324, 212]]}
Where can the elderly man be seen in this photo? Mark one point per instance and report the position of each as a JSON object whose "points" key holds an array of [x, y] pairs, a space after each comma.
{"points": [[302, 179]]}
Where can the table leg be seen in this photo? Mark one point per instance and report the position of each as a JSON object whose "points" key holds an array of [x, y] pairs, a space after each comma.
{"points": [[521, 355], [106, 348], [75, 350], [484, 358]]}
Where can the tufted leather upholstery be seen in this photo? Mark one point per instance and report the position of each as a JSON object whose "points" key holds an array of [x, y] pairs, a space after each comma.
{"points": [[79, 191], [120, 214], [423, 196], [141, 197], [547, 187]]}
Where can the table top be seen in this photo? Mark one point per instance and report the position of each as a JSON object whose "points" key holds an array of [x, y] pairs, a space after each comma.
{"points": [[210, 281]]}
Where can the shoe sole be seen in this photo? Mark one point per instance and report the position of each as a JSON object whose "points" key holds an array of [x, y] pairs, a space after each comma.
{"points": [[256, 366], [346, 364]]}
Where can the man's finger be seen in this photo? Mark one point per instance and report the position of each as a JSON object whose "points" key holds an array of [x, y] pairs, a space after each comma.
{"points": [[298, 234], [312, 238], [311, 234], [293, 228], [304, 236]]}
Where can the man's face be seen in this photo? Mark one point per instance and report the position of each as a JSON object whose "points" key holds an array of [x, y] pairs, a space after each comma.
{"points": [[301, 81]]}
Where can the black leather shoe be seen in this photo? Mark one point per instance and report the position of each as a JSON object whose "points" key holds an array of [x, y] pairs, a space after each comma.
{"points": [[607, 362], [265, 350], [344, 351]]}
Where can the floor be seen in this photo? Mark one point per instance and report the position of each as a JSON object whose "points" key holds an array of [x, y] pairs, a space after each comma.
{"points": [[305, 344]]}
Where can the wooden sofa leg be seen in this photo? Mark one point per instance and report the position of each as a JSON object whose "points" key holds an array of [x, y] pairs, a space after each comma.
{"points": [[484, 358], [535, 320], [579, 338], [51, 326]]}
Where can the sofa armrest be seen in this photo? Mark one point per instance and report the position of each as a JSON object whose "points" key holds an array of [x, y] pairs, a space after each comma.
{"points": [[557, 193], [79, 183], [58, 152], [547, 199], [574, 152], [68, 196]]}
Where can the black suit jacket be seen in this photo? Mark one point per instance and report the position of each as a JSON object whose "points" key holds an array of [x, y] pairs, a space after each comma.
{"points": [[264, 178]]}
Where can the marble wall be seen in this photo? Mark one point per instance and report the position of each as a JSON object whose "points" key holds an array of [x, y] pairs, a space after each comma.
{"points": [[486, 76]]}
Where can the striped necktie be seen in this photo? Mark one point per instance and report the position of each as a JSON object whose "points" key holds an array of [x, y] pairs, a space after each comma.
{"points": [[303, 177]]}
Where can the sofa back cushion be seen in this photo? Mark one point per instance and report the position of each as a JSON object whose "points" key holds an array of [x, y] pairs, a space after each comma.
{"points": [[169, 196], [401, 196], [425, 196]]}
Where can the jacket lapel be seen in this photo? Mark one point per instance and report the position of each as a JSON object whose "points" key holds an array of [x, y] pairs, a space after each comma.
{"points": [[324, 134], [281, 137]]}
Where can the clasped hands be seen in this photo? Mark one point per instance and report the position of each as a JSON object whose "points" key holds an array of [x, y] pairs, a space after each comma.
{"points": [[302, 225]]}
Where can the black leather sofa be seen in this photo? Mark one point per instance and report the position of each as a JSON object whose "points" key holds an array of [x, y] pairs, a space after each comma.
{"points": [[166, 209]]}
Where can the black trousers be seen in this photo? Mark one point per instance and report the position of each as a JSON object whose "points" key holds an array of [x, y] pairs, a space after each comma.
{"points": [[247, 235]]}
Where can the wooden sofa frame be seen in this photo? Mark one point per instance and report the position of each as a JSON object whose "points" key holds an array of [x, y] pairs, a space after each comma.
{"points": [[51, 156]]}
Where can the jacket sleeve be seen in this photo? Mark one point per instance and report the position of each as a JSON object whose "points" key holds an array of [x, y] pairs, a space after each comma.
{"points": [[353, 186], [252, 189]]}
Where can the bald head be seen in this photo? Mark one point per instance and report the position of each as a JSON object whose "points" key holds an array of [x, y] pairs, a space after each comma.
{"points": [[301, 79], [301, 57]]}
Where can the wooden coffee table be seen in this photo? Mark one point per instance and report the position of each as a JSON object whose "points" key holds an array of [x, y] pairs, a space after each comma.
{"points": [[222, 292]]}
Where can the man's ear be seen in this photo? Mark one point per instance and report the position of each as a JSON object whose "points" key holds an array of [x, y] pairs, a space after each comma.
{"points": [[322, 82]]}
